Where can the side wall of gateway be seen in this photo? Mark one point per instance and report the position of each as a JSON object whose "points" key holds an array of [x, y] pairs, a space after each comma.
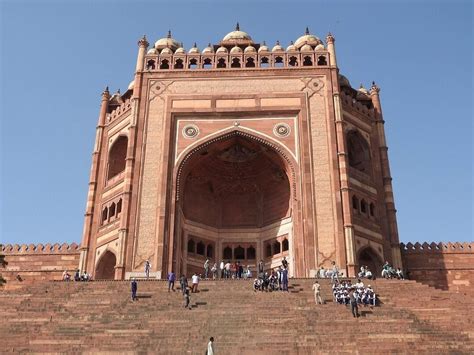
{"points": [[38, 262], [443, 265]]}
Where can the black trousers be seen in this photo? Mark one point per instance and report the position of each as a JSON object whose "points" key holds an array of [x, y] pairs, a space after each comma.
{"points": [[354, 309]]}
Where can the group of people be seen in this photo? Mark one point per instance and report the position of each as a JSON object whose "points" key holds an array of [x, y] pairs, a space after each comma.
{"points": [[77, 276], [276, 280], [333, 273], [347, 294], [389, 272], [226, 270]]}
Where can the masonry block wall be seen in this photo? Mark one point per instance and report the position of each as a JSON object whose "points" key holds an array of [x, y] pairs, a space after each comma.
{"points": [[443, 265], [39, 262]]}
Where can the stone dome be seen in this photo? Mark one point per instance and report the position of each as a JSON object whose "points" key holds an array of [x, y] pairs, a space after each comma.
{"points": [[306, 48], [343, 81], [237, 36], [152, 51], [307, 38], [320, 47], [208, 49], [363, 94], [263, 48], [291, 47], [194, 50], [222, 50], [250, 49], [277, 47], [167, 42], [166, 51], [180, 50], [236, 50], [131, 85]]}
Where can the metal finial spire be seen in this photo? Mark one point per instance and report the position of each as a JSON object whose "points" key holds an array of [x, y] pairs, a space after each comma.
{"points": [[237, 27], [169, 33], [307, 31], [195, 45]]}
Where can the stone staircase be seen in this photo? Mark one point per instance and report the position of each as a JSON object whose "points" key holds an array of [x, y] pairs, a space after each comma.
{"points": [[99, 317]]}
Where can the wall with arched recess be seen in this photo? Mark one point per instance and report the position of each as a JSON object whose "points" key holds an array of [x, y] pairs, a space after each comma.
{"points": [[449, 266], [38, 262]]}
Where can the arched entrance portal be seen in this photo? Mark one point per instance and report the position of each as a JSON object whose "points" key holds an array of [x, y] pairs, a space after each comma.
{"points": [[105, 269], [368, 257], [234, 204]]}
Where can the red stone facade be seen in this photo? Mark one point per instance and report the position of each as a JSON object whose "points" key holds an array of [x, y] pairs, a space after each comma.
{"points": [[38, 262], [442, 265], [239, 152]]}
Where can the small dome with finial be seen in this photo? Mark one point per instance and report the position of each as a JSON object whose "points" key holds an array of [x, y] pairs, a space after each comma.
{"points": [[343, 81], [306, 48], [131, 85], [152, 51], [320, 47], [263, 48], [167, 42], [250, 49], [208, 49], [236, 50], [277, 47], [222, 50], [194, 50], [291, 47], [307, 38], [237, 37]]}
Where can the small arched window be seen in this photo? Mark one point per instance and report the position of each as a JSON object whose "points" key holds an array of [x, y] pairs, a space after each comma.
{"points": [[117, 155], [200, 248], [279, 62], [322, 60], [268, 250], [165, 64], [207, 63], [210, 251], [193, 64], [150, 65], [251, 253], [239, 253], [235, 63], [264, 62], [221, 63], [363, 206], [119, 207], [307, 62], [358, 151], [250, 63], [285, 244], [105, 212], [355, 203], [191, 246], [112, 210], [276, 247], [372, 210], [178, 64], [293, 62], [227, 254]]}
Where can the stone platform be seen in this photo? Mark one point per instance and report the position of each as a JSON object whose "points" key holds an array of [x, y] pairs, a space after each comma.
{"points": [[99, 317]]}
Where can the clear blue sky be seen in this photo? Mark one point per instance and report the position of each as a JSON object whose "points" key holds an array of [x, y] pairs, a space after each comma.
{"points": [[56, 58]]}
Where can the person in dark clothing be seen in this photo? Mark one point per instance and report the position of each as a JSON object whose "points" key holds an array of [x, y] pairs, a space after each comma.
{"points": [[353, 303], [187, 298], [240, 270], [171, 279], [77, 276], [260, 269], [183, 282], [284, 262], [134, 287]]}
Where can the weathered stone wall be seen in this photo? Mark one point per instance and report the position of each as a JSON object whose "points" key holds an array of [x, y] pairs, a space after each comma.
{"points": [[38, 262], [443, 265]]}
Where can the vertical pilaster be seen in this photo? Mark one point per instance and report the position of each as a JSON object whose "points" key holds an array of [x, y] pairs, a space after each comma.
{"points": [[91, 194], [130, 160], [387, 179], [331, 49]]}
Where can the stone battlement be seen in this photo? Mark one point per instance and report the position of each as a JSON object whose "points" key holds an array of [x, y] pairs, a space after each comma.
{"points": [[438, 247], [14, 249]]}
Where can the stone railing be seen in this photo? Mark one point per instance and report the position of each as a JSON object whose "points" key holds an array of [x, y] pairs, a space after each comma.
{"points": [[123, 108], [263, 60], [352, 103], [10, 249], [466, 247]]}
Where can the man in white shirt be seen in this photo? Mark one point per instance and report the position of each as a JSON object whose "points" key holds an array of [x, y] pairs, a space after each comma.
{"points": [[195, 280], [210, 347], [317, 293], [222, 266]]}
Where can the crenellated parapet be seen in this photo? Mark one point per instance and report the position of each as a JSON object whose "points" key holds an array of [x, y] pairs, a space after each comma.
{"points": [[15, 249], [125, 107], [456, 247]]}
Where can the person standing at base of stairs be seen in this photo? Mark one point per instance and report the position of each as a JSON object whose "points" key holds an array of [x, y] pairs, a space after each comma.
{"points": [[353, 303], [210, 347], [134, 287], [317, 293]]}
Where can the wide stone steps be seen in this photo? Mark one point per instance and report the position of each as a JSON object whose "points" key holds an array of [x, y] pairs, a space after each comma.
{"points": [[99, 316]]}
